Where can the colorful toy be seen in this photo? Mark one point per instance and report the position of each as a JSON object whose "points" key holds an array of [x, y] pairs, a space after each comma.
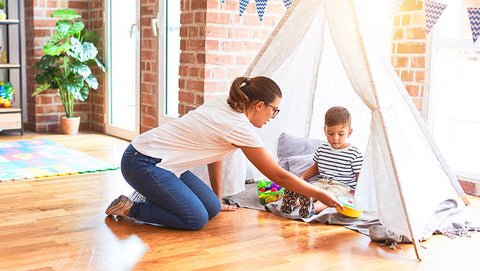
{"points": [[3, 57], [269, 191], [7, 94], [348, 207]]}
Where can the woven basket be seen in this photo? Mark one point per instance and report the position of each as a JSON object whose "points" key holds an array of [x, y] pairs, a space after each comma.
{"points": [[268, 196]]}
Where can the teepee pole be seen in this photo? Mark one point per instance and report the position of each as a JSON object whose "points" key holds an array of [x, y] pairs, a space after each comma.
{"points": [[350, 9]]}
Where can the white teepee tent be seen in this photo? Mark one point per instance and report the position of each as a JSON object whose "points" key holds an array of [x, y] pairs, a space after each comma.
{"points": [[317, 47]]}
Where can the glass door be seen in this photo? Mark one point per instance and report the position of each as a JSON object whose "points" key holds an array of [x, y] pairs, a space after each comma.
{"points": [[123, 58], [168, 22]]}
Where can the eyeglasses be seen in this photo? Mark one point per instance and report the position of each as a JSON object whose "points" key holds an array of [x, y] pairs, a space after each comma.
{"points": [[275, 111]]}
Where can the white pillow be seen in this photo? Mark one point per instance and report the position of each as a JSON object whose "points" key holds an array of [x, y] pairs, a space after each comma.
{"points": [[299, 163]]}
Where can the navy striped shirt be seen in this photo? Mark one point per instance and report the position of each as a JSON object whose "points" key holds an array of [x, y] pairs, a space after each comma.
{"points": [[339, 165]]}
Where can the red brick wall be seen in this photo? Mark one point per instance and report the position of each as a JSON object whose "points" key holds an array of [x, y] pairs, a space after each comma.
{"points": [[98, 97], [45, 110], [217, 45], [148, 67], [409, 48]]}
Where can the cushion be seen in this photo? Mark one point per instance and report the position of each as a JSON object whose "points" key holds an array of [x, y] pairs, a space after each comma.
{"points": [[295, 154], [299, 163], [289, 145]]}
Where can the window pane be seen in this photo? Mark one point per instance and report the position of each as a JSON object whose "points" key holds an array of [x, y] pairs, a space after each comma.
{"points": [[123, 64], [456, 107], [172, 57], [454, 22]]}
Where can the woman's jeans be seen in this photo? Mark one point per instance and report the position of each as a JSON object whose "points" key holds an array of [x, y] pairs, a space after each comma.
{"points": [[184, 203]]}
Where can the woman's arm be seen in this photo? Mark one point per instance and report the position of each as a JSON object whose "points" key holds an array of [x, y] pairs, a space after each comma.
{"points": [[262, 160], [215, 175]]}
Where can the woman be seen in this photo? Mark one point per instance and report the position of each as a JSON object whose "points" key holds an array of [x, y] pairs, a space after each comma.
{"points": [[157, 162]]}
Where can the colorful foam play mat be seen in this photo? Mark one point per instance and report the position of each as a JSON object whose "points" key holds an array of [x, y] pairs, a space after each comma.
{"points": [[28, 159]]}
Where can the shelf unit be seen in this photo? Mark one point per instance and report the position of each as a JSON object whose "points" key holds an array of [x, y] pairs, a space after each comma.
{"points": [[11, 118]]}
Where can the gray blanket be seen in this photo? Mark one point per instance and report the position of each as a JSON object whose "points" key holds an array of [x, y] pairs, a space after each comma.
{"points": [[451, 218]]}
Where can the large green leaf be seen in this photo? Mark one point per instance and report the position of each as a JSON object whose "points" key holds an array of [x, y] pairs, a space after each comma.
{"points": [[100, 65], [80, 68], [76, 86], [76, 50], [92, 81], [46, 62], [62, 27], [55, 39], [56, 49], [90, 36], [41, 89], [89, 51], [65, 14], [76, 28], [82, 52]]}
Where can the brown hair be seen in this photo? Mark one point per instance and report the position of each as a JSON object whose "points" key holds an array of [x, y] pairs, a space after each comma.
{"points": [[338, 115], [245, 91]]}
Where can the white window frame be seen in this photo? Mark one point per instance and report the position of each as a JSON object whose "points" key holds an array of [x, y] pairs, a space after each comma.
{"points": [[161, 23], [109, 129], [434, 42]]}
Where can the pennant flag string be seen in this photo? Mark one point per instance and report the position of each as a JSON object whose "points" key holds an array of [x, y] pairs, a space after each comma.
{"points": [[243, 6], [433, 10], [261, 5], [287, 3], [474, 16]]}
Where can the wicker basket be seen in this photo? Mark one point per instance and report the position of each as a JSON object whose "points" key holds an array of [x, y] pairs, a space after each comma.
{"points": [[268, 196]]}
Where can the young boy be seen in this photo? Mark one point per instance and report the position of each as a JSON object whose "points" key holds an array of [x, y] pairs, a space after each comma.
{"points": [[337, 162]]}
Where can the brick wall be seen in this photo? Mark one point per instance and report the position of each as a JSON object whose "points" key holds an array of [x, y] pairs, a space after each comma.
{"points": [[45, 110], [217, 45], [148, 67], [97, 98], [409, 48]]}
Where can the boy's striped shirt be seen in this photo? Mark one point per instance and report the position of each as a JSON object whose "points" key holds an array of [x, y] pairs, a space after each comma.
{"points": [[339, 165]]}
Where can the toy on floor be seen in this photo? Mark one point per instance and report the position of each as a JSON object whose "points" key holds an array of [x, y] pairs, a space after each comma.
{"points": [[7, 94], [349, 209], [269, 191]]}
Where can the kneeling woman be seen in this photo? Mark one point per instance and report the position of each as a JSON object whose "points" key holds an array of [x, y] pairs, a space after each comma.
{"points": [[156, 164]]}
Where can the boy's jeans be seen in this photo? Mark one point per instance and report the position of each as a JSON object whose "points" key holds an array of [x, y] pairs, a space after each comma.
{"points": [[185, 202]]}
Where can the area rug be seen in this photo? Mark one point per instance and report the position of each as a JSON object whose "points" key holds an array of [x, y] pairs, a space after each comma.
{"points": [[28, 159]]}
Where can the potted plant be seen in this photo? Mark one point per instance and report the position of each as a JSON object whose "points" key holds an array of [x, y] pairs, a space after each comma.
{"points": [[69, 54]]}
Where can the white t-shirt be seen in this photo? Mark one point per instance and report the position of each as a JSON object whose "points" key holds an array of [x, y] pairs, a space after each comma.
{"points": [[207, 134]]}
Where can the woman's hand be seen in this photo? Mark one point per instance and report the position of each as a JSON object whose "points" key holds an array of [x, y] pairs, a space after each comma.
{"points": [[226, 207], [328, 199]]}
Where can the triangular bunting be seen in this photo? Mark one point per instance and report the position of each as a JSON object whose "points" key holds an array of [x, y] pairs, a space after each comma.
{"points": [[433, 10], [397, 5], [474, 16], [261, 5], [287, 3], [243, 6]]}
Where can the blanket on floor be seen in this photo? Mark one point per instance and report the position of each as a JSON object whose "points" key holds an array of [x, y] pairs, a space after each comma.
{"points": [[451, 218]]}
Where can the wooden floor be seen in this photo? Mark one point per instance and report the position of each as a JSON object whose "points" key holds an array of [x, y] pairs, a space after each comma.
{"points": [[59, 224]]}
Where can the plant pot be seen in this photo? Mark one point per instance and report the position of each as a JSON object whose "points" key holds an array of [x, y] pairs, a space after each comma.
{"points": [[69, 126]]}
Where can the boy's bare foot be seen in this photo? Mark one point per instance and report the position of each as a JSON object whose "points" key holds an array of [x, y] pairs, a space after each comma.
{"points": [[319, 206]]}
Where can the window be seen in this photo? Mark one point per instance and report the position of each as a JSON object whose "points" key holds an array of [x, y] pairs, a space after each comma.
{"points": [[169, 40], [454, 112], [123, 62]]}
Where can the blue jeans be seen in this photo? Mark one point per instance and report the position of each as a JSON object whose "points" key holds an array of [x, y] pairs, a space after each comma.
{"points": [[184, 203]]}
